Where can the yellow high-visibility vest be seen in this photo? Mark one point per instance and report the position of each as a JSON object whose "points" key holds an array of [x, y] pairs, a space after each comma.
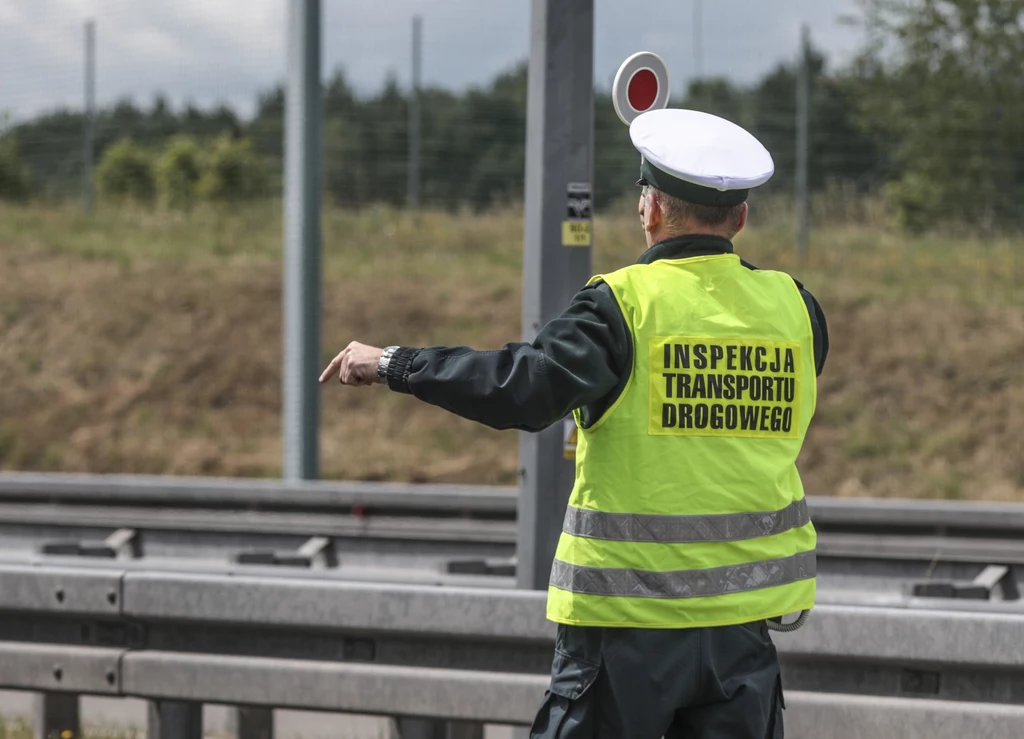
{"points": [[688, 509]]}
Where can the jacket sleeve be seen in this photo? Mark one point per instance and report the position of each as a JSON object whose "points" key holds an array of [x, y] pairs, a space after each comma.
{"points": [[575, 360], [819, 328]]}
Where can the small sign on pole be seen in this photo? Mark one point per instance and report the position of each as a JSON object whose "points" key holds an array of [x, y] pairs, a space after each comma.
{"points": [[576, 228]]}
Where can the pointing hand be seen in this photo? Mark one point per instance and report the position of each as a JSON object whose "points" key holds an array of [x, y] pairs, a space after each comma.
{"points": [[356, 365]]}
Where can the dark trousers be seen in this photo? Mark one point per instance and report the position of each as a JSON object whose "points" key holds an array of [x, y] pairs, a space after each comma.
{"points": [[711, 683]]}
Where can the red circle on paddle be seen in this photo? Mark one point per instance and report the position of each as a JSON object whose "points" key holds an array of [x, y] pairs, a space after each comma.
{"points": [[642, 90]]}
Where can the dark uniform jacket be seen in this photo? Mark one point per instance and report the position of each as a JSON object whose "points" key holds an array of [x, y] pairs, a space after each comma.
{"points": [[582, 359]]}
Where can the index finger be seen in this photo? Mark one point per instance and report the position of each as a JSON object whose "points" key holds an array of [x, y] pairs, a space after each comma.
{"points": [[331, 369]]}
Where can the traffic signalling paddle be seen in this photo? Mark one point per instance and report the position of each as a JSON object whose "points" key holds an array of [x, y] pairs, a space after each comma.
{"points": [[640, 85]]}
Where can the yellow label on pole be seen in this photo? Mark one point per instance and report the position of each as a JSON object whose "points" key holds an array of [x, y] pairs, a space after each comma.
{"points": [[575, 233]]}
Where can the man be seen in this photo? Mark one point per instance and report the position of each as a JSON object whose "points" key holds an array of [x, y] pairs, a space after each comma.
{"points": [[692, 379]]}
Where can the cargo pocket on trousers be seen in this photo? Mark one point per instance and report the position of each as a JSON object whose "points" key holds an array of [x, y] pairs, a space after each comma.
{"points": [[775, 728], [565, 713]]}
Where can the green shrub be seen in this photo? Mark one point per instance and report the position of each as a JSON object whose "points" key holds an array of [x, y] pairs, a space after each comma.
{"points": [[178, 170], [126, 173], [233, 172], [918, 201], [13, 182]]}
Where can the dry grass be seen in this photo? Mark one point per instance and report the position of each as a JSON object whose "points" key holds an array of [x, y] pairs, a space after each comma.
{"points": [[22, 729], [150, 342], [17, 729]]}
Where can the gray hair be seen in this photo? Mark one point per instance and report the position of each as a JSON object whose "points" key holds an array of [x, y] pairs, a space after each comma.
{"points": [[681, 215]]}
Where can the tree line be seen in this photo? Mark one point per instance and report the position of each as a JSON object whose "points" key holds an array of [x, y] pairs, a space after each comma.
{"points": [[929, 115]]}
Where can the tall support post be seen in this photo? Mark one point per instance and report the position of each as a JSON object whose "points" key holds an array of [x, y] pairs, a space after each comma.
{"points": [[88, 147], [55, 715], [557, 245], [415, 115], [302, 151], [803, 124]]}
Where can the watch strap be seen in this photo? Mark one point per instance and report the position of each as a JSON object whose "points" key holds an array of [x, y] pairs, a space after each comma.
{"points": [[383, 362]]}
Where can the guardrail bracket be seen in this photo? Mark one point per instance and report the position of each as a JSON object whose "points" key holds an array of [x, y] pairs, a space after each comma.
{"points": [[981, 587], [121, 544], [317, 553], [475, 566]]}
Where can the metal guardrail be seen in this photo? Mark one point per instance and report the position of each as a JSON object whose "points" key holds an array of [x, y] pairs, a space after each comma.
{"points": [[450, 534], [185, 590], [259, 494], [456, 654], [372, 498]]}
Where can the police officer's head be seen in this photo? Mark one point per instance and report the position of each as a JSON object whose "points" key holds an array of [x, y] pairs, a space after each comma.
{"points": [[664, 216], [696, 171]]}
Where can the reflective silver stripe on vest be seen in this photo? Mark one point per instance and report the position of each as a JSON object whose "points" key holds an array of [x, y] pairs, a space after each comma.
{"points": [[766, 573], [684, 529]]}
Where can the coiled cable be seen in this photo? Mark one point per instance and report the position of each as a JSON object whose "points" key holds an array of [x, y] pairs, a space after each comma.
{"points": [[777, 625]]}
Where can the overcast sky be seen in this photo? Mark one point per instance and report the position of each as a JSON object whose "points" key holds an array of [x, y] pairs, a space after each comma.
{"points": [[209, 51]]}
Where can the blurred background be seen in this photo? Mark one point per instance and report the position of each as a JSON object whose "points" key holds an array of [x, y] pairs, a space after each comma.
{"points": [[141, 223]]}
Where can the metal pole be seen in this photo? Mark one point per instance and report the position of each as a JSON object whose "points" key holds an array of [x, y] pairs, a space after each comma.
{"points": [[415, 114], [90, 114], [698, 40], [803, 95], [302, 147], [556, 255]]}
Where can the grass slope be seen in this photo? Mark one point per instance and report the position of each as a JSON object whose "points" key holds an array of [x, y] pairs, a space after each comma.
{"points": [[146, 341]]}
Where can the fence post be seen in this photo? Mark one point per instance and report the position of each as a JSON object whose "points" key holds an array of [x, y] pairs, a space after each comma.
{"points": [[415, 115], [803, 95], [88, 147], [698, 40]]}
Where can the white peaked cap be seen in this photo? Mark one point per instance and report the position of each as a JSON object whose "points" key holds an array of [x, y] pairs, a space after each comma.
{"points": [[699, 157]]}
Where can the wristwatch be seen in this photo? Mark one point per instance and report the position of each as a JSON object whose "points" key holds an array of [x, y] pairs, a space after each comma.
{"points": [[383, 362]]}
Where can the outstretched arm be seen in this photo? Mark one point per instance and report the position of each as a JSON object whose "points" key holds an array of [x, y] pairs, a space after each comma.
{"points": [[576, 360]]}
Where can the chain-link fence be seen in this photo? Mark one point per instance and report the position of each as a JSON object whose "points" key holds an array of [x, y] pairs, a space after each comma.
{"points": [[205, 72], [915, 168]]}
